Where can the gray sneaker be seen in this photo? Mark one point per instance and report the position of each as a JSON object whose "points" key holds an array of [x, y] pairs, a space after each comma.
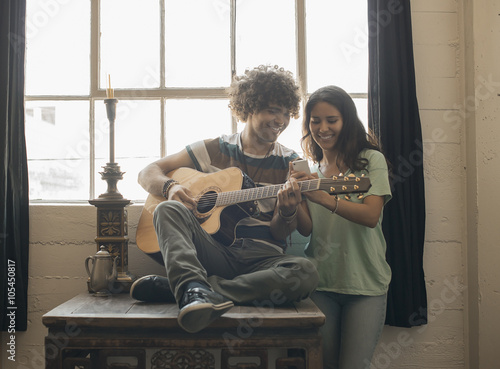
{"points": [[152, 288], [200, 307]]}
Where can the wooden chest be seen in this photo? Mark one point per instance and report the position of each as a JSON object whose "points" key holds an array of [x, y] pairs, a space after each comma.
{"points": [[117, 332]]}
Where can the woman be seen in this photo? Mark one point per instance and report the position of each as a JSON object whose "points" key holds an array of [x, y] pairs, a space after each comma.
{"points": [[347, 243]]}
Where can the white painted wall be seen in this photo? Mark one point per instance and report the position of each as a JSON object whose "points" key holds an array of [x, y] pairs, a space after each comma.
{"points": [[456, 51], [482, 91]]}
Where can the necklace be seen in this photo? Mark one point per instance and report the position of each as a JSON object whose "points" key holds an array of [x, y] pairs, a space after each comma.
{"points": [[259, 167]]}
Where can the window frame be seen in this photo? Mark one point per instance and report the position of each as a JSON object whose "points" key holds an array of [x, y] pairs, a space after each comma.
{"points": [[163, 93]]}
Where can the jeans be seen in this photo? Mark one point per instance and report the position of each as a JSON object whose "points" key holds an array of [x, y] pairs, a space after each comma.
{"points": [[246, 272], [352, 328]]}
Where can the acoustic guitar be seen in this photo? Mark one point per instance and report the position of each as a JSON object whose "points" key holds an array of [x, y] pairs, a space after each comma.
{"points": [[225, 197]]}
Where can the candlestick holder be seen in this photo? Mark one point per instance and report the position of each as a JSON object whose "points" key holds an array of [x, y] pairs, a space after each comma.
{"points": [[112, 216], [112, 173]]}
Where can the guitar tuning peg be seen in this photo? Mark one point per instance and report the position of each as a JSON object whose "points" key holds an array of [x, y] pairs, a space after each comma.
{"points": [[352, 175], [335, 178], [360, 196], [347, 197]]}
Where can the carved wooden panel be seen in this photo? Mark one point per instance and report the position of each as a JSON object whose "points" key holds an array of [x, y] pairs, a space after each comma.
{"points": [[110, 222], [183, 359]]}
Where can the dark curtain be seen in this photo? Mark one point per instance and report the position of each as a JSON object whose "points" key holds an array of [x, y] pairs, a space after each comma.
{"points": [[395, 120], [14, 201]]}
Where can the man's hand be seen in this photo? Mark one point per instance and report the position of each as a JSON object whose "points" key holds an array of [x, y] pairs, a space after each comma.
{"points": [[182, 194], [289, 197]]}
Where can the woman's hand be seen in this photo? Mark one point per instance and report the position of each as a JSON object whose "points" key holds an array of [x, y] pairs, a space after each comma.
{"points": [[303, 176], [318, 196], [300, 175]]}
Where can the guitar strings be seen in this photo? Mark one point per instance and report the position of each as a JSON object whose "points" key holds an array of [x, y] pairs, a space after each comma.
{"points": [[243, 194], [212, 197]]}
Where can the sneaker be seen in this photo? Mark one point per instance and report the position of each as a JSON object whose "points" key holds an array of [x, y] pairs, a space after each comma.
{"points": [[152, 288], [200, 307]]}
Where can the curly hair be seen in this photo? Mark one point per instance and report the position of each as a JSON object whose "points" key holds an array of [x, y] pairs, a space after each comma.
{"points": [[257, 88], [353, 137]]}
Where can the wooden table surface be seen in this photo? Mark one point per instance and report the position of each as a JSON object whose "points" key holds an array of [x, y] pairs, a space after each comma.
{"points": [[121, 311]]}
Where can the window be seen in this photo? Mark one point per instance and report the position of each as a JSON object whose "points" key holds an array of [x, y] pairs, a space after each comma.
{"points": [[169, 62]]}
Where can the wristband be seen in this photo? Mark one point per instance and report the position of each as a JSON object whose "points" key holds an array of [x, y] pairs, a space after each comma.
{"points": [[166, 187], [336, 204], [290, 218]]}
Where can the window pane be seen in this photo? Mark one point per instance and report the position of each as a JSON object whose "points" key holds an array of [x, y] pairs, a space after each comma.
{"points": [[183, 127], [130, 43], [337, 44], [137, 142], [57, 47], [362, 108], [57, 140], [265, 34], [197, 46]]}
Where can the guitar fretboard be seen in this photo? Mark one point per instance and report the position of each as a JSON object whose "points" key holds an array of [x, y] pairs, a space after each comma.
{"points": [[258, 193]]}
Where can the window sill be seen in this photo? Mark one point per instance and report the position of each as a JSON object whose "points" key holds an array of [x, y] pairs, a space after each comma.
{"points": [[134, 203]]}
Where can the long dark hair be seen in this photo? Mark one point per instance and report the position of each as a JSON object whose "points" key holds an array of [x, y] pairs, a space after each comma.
{"points": [[353, 137]]}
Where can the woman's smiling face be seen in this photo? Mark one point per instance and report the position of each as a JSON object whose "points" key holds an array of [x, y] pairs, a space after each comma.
{"points": [[325, 125]]}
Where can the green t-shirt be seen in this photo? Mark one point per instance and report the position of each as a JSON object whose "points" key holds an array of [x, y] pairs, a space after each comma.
{"points": [[350, 257]]}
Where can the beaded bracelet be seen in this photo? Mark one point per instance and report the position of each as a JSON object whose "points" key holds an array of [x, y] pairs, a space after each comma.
{"points": [[166, 187]]}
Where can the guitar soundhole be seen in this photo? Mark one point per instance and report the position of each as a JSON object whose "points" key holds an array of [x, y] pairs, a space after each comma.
{"points": [[206, 202]]}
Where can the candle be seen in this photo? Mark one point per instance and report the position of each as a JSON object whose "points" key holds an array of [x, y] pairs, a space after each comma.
{"points": [[109, 90]]}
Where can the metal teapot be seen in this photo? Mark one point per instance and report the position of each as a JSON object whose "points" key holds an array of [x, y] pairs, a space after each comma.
{"points": [[103, 273]]}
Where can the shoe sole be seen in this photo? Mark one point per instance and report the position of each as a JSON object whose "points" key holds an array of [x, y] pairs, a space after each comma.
{"points": [[155, 299], [198, 316], [134, 285]]}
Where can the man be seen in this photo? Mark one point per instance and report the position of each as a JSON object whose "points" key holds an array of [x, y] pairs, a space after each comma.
{"points": [[205, 276]]}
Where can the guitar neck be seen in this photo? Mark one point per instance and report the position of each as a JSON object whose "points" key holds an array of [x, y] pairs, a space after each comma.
{"points": [[259, 193]]}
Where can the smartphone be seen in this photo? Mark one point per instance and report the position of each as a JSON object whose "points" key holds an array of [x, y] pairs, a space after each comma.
{"points": [[301, 165]]}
